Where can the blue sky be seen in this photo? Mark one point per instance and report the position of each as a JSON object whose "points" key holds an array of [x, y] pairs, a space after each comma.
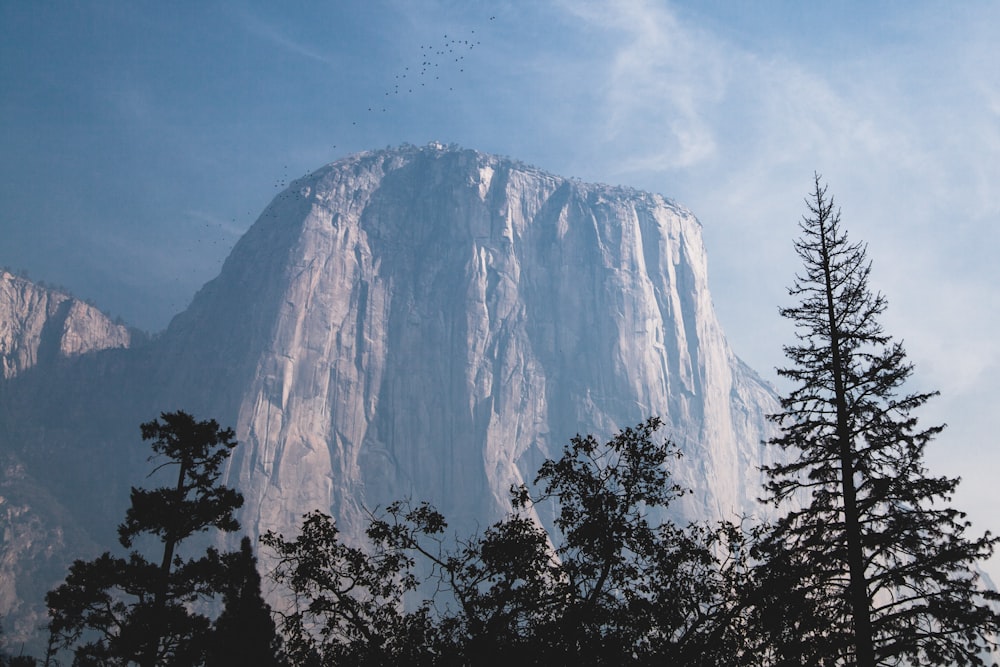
{"points": [[140, 139]]}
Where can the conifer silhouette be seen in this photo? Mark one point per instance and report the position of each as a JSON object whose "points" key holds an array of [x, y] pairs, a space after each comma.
{"points": [[118, 611], [874, 567]]}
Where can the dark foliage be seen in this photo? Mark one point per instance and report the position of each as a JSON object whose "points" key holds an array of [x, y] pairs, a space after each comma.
{"points": [[123, 610], [348, 601], [244, 633], [872, 567], [616, 588]]}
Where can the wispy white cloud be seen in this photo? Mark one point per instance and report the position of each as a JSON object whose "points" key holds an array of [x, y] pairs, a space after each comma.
{"points": [[663, 75], [905, 131]]}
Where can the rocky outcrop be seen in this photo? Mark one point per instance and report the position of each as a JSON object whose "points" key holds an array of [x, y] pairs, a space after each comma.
{"points": [[40, 325], [43, 402], [422, 323], [433, 323]]}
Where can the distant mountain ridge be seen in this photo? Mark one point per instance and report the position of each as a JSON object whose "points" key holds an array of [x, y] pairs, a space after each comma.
{"points": [[42, 329], [42, 324], [424, 322]]}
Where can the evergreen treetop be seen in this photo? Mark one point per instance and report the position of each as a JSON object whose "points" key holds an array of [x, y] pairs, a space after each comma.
{"points": [[874, 567]]}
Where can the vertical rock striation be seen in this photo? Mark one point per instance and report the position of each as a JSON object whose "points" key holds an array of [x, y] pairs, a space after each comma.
{"points": [[432, 323], [422, 323]]}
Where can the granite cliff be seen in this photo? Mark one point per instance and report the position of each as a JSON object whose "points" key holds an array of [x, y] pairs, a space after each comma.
{"points": [[41, 330], [41, 325], [432, 323], [425, 323]]}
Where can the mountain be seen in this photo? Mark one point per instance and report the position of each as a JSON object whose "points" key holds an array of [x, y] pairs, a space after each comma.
{"points": [[425, 323], [41, 325], [41, 330]]}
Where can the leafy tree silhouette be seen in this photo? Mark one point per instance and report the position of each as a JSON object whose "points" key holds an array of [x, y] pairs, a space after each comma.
{"points": [[348, 601], [118, 611], [615, 588], [874, 567]]}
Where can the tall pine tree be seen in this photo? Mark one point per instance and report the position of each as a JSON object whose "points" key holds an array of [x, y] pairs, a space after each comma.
{"points": [[119, 611], [873, 567]]}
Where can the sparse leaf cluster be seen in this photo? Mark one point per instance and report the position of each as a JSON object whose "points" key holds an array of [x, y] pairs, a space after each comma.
{"points": [[614, 589]]}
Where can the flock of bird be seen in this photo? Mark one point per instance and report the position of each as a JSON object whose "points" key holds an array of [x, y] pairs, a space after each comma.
{"points": [[436, 59], [439, 62], [432, 59]]}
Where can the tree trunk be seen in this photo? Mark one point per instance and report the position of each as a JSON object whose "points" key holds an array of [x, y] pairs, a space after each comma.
{"points": [[160, 597], [858, 588]]}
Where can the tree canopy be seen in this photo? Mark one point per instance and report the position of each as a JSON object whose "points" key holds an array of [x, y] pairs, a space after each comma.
{"points": [[870, 565], [612, 586], [118, 610]]}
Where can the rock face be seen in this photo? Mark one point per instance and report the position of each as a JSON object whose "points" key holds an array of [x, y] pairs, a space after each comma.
{"points": [[39, 538], [433, 323], [39, 325], [39, 328], [422, 323]]}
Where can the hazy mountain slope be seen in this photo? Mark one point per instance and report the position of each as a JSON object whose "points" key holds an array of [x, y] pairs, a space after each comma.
{"points": [[43, 332], [427, 323]]}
